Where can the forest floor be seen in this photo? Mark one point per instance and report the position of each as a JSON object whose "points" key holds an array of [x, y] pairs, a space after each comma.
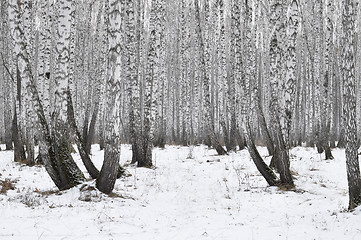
{"points": [[190, 194]]}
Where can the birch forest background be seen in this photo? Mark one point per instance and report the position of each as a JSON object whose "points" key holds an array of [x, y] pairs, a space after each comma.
{"points": [[233, 75]]}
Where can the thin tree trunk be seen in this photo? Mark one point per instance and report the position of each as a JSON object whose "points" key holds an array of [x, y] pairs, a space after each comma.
{"points": [[19, 151], [92, 170], [262, 167], [204, 57]]}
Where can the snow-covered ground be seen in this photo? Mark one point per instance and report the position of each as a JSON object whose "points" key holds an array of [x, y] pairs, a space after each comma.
{"points": [[191, 194]]}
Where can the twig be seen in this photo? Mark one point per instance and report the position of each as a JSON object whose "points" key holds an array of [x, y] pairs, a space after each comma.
{"points": [[7, 69]]}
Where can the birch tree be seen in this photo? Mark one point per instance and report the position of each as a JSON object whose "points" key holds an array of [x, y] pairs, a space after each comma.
{"points": [[15, 24], [327, 80], [108, 174], [5, 75], [349, 107], [152, 83], [281, 156], [249, 76], [54, 147], [204, 59], [133, 31], [60, 129]]}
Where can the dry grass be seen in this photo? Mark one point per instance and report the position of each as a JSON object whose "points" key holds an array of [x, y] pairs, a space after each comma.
{"points": [[286, 187], [314, 169], [47, 193], [117, 195], [6, 185]]}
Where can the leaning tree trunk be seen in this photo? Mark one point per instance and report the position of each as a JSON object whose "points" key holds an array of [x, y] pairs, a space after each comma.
{"points": [[260, 113], [54, 145], [349, 105], [262, 167], [250, 65], [61, 131], [92, 170]]}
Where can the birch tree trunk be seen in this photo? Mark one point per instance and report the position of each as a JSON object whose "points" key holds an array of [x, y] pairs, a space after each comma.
{"points": [[249, 76], [281, 156], [8, 84], [60, 128], [327, 81], [349, 107], [54, 146], [132, 40], [14, 15], [151, 88], [291, 63], [44, 60], [204, 59], [236, 69], [108, 174]]}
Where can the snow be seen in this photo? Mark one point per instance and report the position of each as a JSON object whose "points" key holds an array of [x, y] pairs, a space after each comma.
{"points": [[202, 197]]}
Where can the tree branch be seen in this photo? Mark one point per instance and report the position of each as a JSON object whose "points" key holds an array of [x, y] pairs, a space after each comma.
{"points": [[7, 69]]}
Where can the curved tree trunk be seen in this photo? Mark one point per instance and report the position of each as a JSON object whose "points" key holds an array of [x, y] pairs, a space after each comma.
{"points": [[262, 167], [92, 170], [54, 145], [250, 66]]}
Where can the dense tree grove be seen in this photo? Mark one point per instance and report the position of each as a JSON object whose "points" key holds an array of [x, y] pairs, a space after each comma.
{"points": [[226, 73]]}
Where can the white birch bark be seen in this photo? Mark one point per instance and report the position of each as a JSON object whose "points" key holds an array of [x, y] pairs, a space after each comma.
{"points": [[108, 173], [349, 107]]}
